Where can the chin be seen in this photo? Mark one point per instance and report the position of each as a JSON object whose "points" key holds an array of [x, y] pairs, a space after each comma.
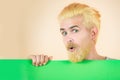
{"points": [[76, 57], [75, 60], [77, 54]]}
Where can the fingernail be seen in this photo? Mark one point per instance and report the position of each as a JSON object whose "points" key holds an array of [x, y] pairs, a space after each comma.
{"points": [[36, 65], [44, 63]]}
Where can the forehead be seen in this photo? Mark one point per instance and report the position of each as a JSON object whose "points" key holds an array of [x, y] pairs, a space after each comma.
{"points": [[66, 23]]}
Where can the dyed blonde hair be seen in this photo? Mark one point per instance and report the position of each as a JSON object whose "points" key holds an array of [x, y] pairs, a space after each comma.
{"points": [[91, 17]]}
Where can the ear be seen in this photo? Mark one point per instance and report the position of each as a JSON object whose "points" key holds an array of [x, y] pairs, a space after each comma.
{"points": [[94, 33]]}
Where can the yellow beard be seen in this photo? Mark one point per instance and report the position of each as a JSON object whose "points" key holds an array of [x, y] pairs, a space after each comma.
{"points": [[79, 54]]}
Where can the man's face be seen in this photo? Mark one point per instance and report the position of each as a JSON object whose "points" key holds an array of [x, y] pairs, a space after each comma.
{"points": [[76, 38]]}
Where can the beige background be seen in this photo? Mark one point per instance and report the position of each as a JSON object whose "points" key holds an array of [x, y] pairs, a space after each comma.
{"points": [[30, 27]]}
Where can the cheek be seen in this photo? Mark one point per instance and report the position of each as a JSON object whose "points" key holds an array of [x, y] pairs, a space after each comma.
{"points": [[82, 39], [64, 40], [77, 38]]}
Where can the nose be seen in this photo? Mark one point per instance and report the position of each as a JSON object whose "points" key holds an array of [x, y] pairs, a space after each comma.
{"points": [[70, 40]]}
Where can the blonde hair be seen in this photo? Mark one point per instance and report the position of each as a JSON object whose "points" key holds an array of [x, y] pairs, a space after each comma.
{"points": [[91, 17]]}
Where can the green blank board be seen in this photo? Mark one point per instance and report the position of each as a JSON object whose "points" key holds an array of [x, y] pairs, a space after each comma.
{"points": [[60, 70]]}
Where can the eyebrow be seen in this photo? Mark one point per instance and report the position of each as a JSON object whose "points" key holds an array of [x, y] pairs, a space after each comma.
{"points": [[62, 29], [75, 26]]}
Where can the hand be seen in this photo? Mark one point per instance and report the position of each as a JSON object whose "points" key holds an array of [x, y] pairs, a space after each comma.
{"points": [[39, 60]]}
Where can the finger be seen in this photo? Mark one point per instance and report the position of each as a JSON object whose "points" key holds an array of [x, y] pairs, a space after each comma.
{"points": [[50, 57], [33, 57], [38, 60], [41, 59], [46, 59]]}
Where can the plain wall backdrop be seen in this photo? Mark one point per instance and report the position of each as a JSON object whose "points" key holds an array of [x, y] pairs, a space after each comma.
{"points": [[31, 27]]}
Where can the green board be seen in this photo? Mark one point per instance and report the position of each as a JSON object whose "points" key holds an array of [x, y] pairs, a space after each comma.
{"points": [[60, 70]]}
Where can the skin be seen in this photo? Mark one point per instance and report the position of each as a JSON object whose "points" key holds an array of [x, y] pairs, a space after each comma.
{"points": [[74, 31], [39, 60]]}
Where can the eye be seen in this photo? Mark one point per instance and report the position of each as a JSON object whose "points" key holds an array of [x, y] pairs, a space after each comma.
{"points": [[64, 33], [75, 30]]}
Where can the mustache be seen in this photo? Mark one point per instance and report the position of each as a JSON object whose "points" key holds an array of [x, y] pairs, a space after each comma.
{"points": [[71, 45]]}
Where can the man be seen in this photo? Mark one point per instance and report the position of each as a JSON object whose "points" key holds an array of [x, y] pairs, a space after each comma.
{"points": [[79, 25]]}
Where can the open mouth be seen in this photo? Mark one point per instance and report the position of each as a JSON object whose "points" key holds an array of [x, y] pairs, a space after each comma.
{"points": [[71, 49]]}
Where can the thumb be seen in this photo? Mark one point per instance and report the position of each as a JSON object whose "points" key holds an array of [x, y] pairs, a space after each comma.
{"points": [[50, 57]]}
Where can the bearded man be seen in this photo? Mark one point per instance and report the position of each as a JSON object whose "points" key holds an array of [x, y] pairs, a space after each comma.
{"points": [[79, 26]]}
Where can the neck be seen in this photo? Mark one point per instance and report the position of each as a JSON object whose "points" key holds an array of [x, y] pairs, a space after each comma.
{"points": [[93, 55]]}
